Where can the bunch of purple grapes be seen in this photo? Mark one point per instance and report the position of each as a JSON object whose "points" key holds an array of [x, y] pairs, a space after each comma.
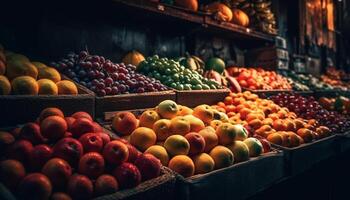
{"points": [[104, 77], [309, 108]]}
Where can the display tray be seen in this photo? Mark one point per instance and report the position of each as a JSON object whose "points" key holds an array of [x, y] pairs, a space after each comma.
{"points": [[153, 189], [131, 101], [343, 142], [18, 109], [303, 157], [193, 98], [240, 180]]}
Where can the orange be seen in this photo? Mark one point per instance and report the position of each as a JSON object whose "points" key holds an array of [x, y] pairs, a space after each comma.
{"points": [[142, 138], [67, 87], [228, 100], [25, 85], [182, 165], [244, 112], [47, 87], [180, 125], [49, 73]]}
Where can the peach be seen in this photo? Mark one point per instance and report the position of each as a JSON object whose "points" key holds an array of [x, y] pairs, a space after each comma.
{"points": [[124, 123], [167, 109], [222, 156], [142, 138], [197, 143], [263, 130], [306, 134], [162, 129], [204, 113], [210, 137], [293, 138], [240, 151], [275, 138], [255, 123], [148, 118], [195, 124], [226, 133], [203, 163], [215, 123], [279, 125], [180, 125]]}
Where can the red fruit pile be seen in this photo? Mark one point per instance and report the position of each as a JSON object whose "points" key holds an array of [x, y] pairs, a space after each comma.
{"points": [[71, 156], [309, 108], [105, 77]]}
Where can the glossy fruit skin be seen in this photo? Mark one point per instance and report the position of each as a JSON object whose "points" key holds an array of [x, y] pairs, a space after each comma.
{"points": [[115, 152], [35, 186], [105, 184], [82, 126], [68, 149], [148, 165], [53, 127], [127, 175], [40, 155], [31, 132], [20, 150], [80, 187], [92, 165], [92, 142], [58, 171], [11, 173]]}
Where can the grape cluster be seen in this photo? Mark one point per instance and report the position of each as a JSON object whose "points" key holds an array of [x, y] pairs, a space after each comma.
{"points": [[309, 108], [104, 77], [174, 75]]}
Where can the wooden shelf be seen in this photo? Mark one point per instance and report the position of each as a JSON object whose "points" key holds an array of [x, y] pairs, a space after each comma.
{"points": [[203, 21]]}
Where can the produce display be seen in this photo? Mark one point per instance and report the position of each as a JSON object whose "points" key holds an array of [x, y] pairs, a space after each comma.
{"points": [[20, 76], [336, 83], [172, 74], [188, 141], [308, 80], [259, 12], [259, 79], [266, 119], [337, 74], [309, 108], [340, 104], [70, 157], [104, 77]]}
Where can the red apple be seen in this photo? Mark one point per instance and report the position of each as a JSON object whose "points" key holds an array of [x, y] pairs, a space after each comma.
{"points": [[266, 145], [6, 139], [82, 114], [127, 175], [124, 123], [35, 186], [47, 112], [105, 184], [97, 127], [68, 134], [82, 126], [11, 173], [115, 152], [92, 142], [92, 165], [80, 187], [105, 137], [68, 149], [197, 143], [31, 132], [133, 153], [148, 165], [20, 150], [60, 196], [40, 155], [53, 128], [58, 171], [70, 121]]}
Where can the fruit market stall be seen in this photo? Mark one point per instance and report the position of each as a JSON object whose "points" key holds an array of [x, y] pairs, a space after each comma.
{"points": [[174, 99]]}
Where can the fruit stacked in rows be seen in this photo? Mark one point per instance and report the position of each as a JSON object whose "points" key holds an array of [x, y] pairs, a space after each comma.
{"points": [[174, 75], [295, 83], [336, 83], [104, 77], [309, 80], [259, 79], [337, 74], [340, 104], [188, 141], [20, 76], [309, 108], [266, 119], [72, 157]]}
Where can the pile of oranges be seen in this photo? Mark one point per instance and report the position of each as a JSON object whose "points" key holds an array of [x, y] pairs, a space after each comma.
{"points": [[266, 119]]}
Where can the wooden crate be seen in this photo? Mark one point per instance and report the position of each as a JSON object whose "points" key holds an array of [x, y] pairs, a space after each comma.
{"points": [[240, 180], [131, 101], [18, 109], [305, 156], [193, 98]]}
